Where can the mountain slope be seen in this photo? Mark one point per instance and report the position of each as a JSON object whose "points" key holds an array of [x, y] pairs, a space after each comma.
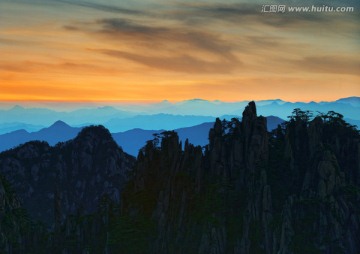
{"points": [[75, 174], [58, 132], [295, 191], [18, 234]]}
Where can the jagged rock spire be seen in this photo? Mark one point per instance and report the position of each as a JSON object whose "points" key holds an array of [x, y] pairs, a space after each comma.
{"points": [[249, 112]]}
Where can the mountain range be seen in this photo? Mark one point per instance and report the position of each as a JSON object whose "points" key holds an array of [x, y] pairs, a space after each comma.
{"points": [[295, 190], [131, 141], [163, 115]]}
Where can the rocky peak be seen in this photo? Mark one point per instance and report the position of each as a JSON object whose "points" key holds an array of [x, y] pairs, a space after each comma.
{"points": [[59, 124], [249, 113], [252, 125], [243, 195], [247, 140], [95, 134], [295, 190]]}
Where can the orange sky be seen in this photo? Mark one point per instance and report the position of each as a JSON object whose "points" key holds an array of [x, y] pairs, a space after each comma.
{"points": [[88, 51]]}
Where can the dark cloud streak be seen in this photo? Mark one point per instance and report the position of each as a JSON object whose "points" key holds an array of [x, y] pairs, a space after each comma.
{"points": [[163, 46], [329, 64], [128, 30], [181, 63], [103, 7], [38, 67], [246, 14]]}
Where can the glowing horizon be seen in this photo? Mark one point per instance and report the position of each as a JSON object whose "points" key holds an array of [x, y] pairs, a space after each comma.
{"points": [[87, 51]]}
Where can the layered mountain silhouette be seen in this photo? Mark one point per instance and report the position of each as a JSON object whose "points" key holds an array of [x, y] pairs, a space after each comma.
{"points": [[10, 127], [163, 115], [58, 132], [290, 191], [354, 101], [131, 141], [295, 189]]}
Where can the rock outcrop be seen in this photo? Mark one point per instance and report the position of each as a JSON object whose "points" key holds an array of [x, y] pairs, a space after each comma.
{"points": [[294, 190], [68, 179], [249, 191]]}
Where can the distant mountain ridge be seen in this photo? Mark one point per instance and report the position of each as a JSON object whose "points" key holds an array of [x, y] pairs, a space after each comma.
{"points": [[295, 189], [354, 101], [184, 113], [131, 141], [57, 132], [9, 127], [157, 121]]}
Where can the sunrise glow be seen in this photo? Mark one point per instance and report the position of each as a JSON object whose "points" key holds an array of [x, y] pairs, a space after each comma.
{"points": [[131, 51]]}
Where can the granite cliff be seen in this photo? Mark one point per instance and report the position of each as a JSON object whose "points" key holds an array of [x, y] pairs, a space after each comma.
{"points": [[293, 190]]}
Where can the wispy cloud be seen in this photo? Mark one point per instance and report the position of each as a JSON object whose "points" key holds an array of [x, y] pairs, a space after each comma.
{"points": [[241, 14], [155, 44], [166, 36], [329, 64], [188, 49], [177, 63], [172, 48], [61, 67], [102, 7], [248, 16]]}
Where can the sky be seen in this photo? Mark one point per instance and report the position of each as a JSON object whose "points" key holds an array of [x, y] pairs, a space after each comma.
{"points": [[153, 50]]}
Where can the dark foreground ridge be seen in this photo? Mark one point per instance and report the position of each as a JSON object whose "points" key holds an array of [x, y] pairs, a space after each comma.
{"points": [[294, 190], [69, 178]]}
